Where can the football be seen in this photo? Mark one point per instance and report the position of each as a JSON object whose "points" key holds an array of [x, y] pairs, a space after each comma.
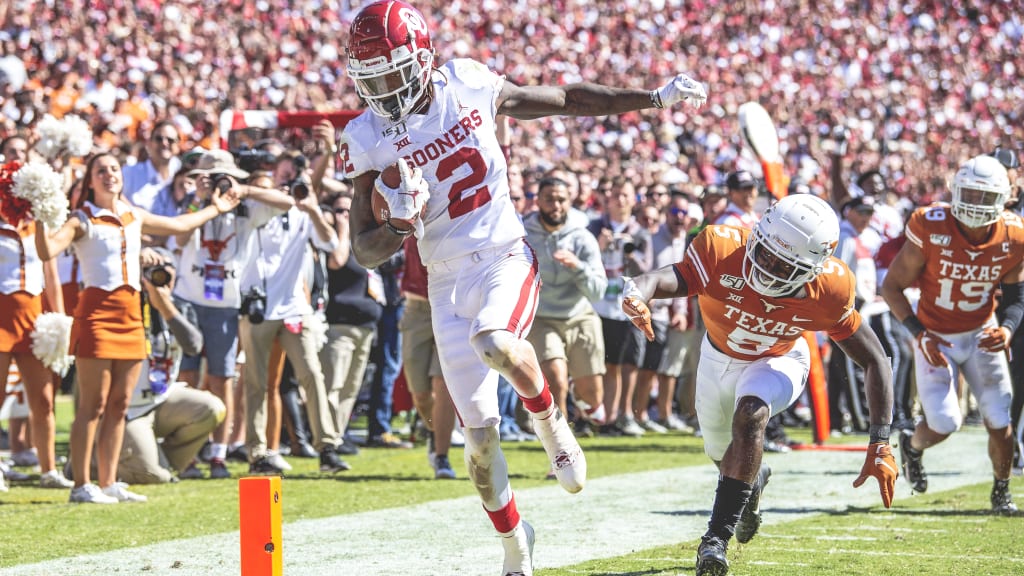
{"points": [[392, 178]]}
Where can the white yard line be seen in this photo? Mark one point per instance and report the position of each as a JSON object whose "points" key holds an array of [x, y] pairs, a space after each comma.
{"points": [[613, 516]]}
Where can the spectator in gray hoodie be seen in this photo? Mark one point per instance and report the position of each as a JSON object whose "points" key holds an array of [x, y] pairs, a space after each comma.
{"points": [[566, 331]]}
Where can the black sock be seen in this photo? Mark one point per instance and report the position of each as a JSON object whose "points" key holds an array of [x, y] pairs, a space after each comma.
{"points": [[730, 498]]}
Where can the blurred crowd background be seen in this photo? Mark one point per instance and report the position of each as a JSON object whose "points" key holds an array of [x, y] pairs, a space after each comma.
{"points": [[920, 85]]}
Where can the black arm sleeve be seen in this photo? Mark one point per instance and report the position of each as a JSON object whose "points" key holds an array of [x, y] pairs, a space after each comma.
{"points": [[1013, 304]]}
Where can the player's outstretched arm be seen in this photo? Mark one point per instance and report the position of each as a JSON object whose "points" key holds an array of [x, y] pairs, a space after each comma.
{"points": [[864, 348], [588, 99], [638, 291], [660, 283], [372, 244]]}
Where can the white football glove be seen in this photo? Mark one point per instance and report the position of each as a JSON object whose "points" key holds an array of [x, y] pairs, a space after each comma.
{"points": [[681, 88], [630, 289], [407, 200]]}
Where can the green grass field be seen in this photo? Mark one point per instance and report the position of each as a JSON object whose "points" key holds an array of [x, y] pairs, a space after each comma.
{"points": [[942, 533]]}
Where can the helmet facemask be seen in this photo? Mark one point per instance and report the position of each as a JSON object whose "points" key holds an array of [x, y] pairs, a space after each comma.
{"points": [[980, 190], [790, 245], [393, 89], [976, 207], [772, 269]]}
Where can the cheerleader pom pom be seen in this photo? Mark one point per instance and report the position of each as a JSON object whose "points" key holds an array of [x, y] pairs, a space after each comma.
{"points": [[77, 136], [51, 340], [51, 137], [44, 188]]}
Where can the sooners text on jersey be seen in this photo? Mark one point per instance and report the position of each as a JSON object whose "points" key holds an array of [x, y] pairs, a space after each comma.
{"points": [[455, 145], [958, 279], [746, 325]]}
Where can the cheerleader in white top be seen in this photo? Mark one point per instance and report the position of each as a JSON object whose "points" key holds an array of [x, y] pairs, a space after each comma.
{"points": [[108, 338], [23, 277]]}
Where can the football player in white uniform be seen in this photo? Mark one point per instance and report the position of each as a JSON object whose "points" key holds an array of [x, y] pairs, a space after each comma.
{"points": [[438, 123]]}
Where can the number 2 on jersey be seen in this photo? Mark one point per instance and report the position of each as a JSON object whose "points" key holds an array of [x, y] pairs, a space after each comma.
{"points": [[446, 167]]}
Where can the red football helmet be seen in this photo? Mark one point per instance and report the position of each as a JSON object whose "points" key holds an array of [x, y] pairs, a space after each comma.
{"points": [[390, 57]]}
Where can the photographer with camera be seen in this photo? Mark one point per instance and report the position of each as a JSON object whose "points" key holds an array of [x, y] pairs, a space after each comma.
{"points": [[278, 307], [625, 251], [212, 260], [162, 407]]}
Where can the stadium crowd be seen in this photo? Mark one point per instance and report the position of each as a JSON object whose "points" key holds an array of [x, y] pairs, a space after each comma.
{"points": [[911, 90]]}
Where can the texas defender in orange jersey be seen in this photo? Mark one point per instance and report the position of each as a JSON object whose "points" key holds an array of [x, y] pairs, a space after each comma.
{"points": [[758, 291], [960, 253]]}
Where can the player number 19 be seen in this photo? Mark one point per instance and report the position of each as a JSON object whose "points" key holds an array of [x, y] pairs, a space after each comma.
{"points": [[979, 290]]}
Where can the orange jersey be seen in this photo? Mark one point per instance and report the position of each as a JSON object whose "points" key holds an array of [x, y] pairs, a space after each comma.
{"points": [[747, 325], [959, 278]]}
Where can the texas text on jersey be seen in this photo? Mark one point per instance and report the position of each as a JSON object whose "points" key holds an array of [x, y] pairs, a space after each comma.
{"points": [[747, 325], [959, 278]]}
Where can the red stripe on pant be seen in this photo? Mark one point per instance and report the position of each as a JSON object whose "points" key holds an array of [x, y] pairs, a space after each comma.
{"points": [[522, 318], [506, 519]]}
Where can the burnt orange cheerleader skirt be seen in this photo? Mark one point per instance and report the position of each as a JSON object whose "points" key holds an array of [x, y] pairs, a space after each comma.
{"points": [[70, 293], [108, 325], [18, 313]]}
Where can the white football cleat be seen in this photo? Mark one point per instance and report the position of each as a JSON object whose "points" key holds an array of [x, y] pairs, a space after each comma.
{"points": [[567, 459], [518, 551]]}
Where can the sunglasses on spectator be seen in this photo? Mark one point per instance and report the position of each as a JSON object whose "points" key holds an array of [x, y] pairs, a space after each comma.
{"points": [[677, 212], [656, 194], [165, 139]]}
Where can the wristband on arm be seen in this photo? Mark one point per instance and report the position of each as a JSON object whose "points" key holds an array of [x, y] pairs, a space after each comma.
{"points": [[396, 231], [1014, 311], [914, 325], [656, 99], [879, 433]]}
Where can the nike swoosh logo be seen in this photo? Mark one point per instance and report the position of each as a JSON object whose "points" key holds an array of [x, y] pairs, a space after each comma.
{"points": [[799, 319], [998, 258], [884, 464]]}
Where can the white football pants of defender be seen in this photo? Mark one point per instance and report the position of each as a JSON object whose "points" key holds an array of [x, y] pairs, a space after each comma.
{"points": [[987, 373], [489, 291], [722, 380]]}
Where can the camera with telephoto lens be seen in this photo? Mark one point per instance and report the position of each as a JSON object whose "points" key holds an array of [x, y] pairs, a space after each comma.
{"points": [[158, 275], [222, 182], [253, 160], [299, 187], [254, 305]]}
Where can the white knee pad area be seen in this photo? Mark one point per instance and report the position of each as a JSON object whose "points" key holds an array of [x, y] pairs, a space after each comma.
{"points": [[499, 349]]}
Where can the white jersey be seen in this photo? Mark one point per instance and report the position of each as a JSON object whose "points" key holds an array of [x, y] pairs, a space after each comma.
{"points": [[21, 270], [211, 262], [456, 147]]}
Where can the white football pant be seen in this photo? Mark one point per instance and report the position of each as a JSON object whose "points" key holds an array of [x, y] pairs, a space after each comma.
{"points": [[722, 380]]}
